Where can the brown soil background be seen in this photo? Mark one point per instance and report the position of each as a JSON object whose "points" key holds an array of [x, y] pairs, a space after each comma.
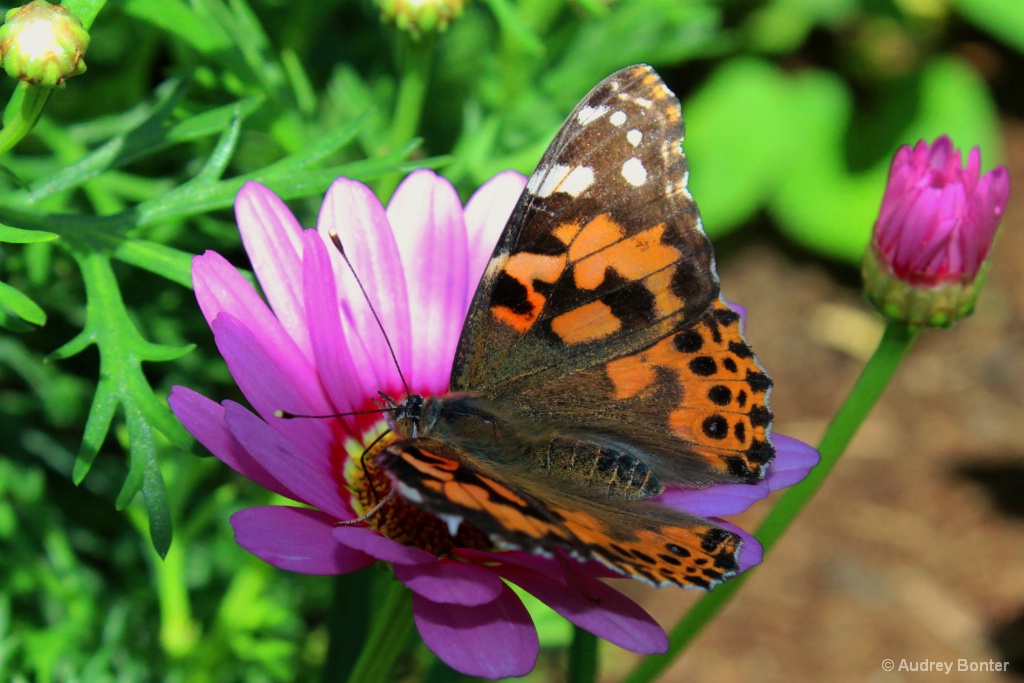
{"points": [[914, 548]]}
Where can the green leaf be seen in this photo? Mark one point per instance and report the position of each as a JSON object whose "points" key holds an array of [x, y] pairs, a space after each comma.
{"points": [[515, 28], [1002, 18], [85, 10], [219, 159], [176, 18], [118, 151], [22, 306], [738, 128], [19, 236], [101, 415], [153, 490], [173, 264], [828, 208]]}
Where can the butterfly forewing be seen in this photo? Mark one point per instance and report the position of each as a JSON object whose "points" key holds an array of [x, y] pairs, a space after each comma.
{"points": [[604, 247]]}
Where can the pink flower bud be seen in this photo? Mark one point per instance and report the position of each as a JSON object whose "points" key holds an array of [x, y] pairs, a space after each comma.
{"points": [[933, 234]]}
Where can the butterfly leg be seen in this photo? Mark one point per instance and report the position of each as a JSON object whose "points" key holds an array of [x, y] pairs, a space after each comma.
{"points": [[369, 513]]}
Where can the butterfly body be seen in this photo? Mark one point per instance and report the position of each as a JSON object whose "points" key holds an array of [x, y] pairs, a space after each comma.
{"points": [[598, 364]]}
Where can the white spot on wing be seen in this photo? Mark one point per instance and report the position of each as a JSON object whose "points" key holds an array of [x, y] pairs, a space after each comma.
{"points": [[409, 493], [618, 118], [588, 114], [535, 180], [634, 172], [573, 181], [577, 181], [643, 102], [453, 522], [634, 137]]}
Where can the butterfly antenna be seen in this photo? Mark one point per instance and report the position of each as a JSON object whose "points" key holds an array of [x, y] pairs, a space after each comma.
{"points": [[285, 415], [341, 250]]}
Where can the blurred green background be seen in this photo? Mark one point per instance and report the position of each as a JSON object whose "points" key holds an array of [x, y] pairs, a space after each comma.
{"points": [[793, 109]]}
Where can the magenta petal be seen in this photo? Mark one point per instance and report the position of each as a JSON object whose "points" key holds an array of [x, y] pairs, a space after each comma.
{"points": [[312, 480], [272, 240], [220, 288], [487, 211], [793, 461], [296, 539], [330, 350], [272, 380], [354, 213], [381, 547], [714, 501], [751, 551], [594, 606], [451, 582], [491, 641], [204, 419], [426, 217]]}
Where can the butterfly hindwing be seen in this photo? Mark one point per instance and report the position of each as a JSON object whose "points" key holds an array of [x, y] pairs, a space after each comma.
{"points": [[647, 542]]}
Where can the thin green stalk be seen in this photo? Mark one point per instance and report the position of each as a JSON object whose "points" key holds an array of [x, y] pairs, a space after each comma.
{"points": [[873, 380], [389, 633], [416, 58], [346, 623], [582, 657], [33, 99]]}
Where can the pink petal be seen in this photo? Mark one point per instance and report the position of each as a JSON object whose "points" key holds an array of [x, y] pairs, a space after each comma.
{"points": [[313, 479], [273, 380], [451, 582], [204, 419], [271, 236], [793, 461], [715, 501], [296, 539], [487, 211], [491, 641], [751, 551], [355, 214], [594, 606], [220, 288], [426, 216], [330, 352], [381, 547]]}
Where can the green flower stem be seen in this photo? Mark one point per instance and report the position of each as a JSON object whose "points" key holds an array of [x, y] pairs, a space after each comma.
{"points": [[865, 393], [389, 633], [416, 58], [353, 597], [582, 657], [33, 99]]}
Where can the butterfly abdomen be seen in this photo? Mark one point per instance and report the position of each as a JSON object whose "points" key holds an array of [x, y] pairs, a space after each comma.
{"points": [[597, 467]]}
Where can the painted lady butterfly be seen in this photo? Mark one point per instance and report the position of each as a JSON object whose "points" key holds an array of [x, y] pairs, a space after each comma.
{"points": [[598, 363]]}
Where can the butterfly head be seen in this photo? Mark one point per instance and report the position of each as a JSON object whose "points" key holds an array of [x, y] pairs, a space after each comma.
{"points": [[412, 418]]}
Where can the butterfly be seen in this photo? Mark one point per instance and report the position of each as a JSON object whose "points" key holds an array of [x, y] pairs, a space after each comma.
{"points": [[598, 363]]}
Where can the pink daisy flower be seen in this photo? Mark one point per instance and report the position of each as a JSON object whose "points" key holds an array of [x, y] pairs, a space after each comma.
{"points": [[317, 350]]}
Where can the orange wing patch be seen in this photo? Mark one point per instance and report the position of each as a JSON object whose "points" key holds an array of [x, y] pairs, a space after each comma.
{"points": [[723, 399], [588, 322], [522, 300], [699, 555]]}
